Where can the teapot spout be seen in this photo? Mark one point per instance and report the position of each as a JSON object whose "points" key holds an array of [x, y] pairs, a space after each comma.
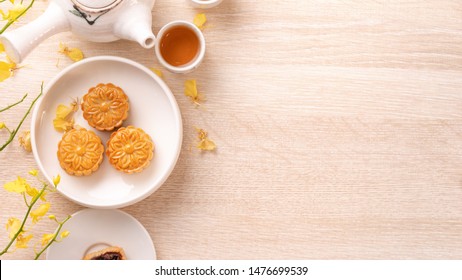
{"points": [[20, 42], [135, 24]]}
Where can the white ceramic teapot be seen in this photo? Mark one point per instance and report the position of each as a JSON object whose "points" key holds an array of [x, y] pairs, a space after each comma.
{"points": [[93, 20]]}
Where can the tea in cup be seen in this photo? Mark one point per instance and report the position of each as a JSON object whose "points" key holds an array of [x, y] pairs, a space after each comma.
{"points": [[180, 47]]}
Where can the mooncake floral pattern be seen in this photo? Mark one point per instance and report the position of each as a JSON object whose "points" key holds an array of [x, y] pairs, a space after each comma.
{"points": [[130, 149], [80, 152], [105, 106]]}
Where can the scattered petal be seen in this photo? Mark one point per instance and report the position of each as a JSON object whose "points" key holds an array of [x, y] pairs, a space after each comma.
{"points": [[2, 125], [205, 144], [64, 120], [24, 141], [46, 238], [200, 20], [157, 72], [12, 226], [2, 48], [21, 241], [190, 90], [74, 54], [39, 212]]}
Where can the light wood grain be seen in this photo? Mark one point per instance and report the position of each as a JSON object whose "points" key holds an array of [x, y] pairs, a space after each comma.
{"points": [[338, 125]]}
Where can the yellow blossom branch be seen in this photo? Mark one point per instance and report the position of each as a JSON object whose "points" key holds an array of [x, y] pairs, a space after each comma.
{"points": [[10, 22], [12, 105], [21, 228], [15, 131], [37, 255]]}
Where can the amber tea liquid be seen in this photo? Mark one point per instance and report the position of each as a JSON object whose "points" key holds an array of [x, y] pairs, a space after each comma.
{"points": [[179, 45]]}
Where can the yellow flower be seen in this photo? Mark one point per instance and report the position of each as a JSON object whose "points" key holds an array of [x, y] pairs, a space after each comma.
{"points": [[64, 121], [47, 238], [2, 125], [21, 241], [52, 217], [56, 180], [24, 141], [199, 20], [39, 212], [13, 13], [190, 90], [65, 234], [12, 226], [205, 144], [73, 53], [6, 69], [17, 186], [33, 172]]}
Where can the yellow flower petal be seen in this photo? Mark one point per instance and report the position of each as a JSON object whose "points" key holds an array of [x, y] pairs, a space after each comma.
{"points": [[56, 180], [63, 125], [39, 212], [21, 241], [6, 70], [17, 186], [14, 12], [205, 144], [190, 88], [157, 72], [2, 125], [31, 191], [33, 172], [2, 48], [200, 20], [52, 217], [74, 54], [65, 234], [47, 238], [25, 141], [63, 111], [12, 226]]}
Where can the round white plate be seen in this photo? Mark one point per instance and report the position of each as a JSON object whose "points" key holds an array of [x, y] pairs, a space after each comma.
{"points": [[152, 108], [94, 229]]}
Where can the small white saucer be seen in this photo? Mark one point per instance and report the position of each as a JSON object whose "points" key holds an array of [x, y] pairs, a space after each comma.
{"points": [[92, 230]]}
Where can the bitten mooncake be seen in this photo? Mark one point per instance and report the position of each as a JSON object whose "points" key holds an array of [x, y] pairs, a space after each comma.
{"points": [[80, 152], [105, 106], [130, 149], [110, 253]]}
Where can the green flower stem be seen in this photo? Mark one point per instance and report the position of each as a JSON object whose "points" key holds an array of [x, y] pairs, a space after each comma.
{"points": [[10, 22], [37, 255], [15, 131], [32, 203], [12, 105]]}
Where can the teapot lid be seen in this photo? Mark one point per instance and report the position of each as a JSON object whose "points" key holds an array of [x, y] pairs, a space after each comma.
{"points": [[96, 6]]}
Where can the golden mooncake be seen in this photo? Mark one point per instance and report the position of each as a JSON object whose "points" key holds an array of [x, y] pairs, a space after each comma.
{"points": [[80, 152], [105, 106], [129, 149], [110, 253]]}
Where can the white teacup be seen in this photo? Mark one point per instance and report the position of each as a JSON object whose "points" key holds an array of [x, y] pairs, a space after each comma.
{"points": [[195, 61], [205, 4]]}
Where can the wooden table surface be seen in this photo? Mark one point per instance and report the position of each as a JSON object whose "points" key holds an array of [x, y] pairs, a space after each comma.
{"points": [[338, 126]]}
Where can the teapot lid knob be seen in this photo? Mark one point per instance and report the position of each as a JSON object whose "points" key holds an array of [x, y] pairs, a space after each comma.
{"points": [[96, 6]]}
